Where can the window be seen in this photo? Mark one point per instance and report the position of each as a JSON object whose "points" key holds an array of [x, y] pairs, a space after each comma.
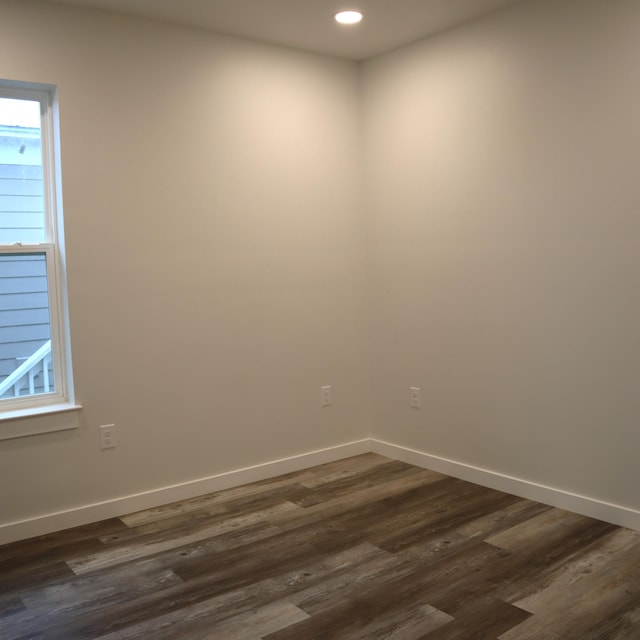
{"points": [[35, 366]]}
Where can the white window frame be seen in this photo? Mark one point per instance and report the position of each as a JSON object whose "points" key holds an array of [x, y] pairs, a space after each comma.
{"points": [[62, 399]]}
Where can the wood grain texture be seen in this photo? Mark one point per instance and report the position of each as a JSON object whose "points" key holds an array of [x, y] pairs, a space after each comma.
{"points": [[362, 549]]}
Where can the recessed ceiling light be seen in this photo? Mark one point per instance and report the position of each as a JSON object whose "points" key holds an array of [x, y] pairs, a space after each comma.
{"points": [[348, 17]]}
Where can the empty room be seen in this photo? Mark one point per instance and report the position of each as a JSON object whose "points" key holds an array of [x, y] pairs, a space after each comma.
{"points": [[319, 330]]}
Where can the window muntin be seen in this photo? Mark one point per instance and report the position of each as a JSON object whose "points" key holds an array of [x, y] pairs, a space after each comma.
{"points": [[34, 359]]}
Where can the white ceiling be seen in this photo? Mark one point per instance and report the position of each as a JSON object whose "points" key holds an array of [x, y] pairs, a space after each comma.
{"points": [[308, 24]]}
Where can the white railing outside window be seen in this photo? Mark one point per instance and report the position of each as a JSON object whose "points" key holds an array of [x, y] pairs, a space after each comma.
{"points": [[25, 375]]}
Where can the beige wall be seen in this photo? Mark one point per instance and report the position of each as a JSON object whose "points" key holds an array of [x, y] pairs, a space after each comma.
{"points": [[218, 244], [215, 253], [505, 244]]}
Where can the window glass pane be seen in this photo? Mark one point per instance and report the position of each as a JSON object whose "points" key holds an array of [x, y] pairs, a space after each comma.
{"points": [[22, 217], [25, 334]]}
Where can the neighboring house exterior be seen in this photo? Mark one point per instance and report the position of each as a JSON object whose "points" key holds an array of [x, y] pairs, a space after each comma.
{"points": [[24, 309]]}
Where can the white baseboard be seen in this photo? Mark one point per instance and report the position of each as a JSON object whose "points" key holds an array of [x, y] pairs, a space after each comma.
{"points": [[49, 523], [86, 514], [583, 505]]}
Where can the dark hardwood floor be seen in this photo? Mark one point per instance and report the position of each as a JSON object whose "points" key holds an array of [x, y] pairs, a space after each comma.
{"points": [[364, 548]]}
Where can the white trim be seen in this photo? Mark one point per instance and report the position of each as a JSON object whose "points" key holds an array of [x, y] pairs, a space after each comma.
{"points": [[552, 496], [117, 507], [21, 423], [86, 514]]}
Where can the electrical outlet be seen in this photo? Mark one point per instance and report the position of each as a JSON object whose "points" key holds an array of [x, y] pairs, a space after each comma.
{"points": [[107, 436], [415, 397], [325, 396]]}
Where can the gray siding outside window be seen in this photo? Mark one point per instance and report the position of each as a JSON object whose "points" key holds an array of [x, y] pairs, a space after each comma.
{"points": [[24, 306]]}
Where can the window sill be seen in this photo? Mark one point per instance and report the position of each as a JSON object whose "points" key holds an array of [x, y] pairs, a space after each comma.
{"points": [[36, 420]]}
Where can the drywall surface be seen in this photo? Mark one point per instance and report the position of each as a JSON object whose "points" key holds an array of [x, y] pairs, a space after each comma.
{"points": [[216, 244], [215, 254], [502, 181]]}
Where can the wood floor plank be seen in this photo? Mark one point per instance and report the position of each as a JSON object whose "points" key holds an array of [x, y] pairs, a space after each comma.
{"points": [[358, 498], [537, 595], [41, 558], [96, 592], [446, 539], [118, 554], [293, 492], [194, 623], [598, 597], [405, 625], [87, 596], [207, 578], [170, 526], [143, 615], [214, 502], [551, 524], [623, 624], [401, 624], [457, 510], [55, 546], [338, 587], [99, 590], [369, 478], [484, 619], [345, 611], [10, 605], [17, 579], [332, 472], [344, 525], [360, 549], [543, 558]]}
